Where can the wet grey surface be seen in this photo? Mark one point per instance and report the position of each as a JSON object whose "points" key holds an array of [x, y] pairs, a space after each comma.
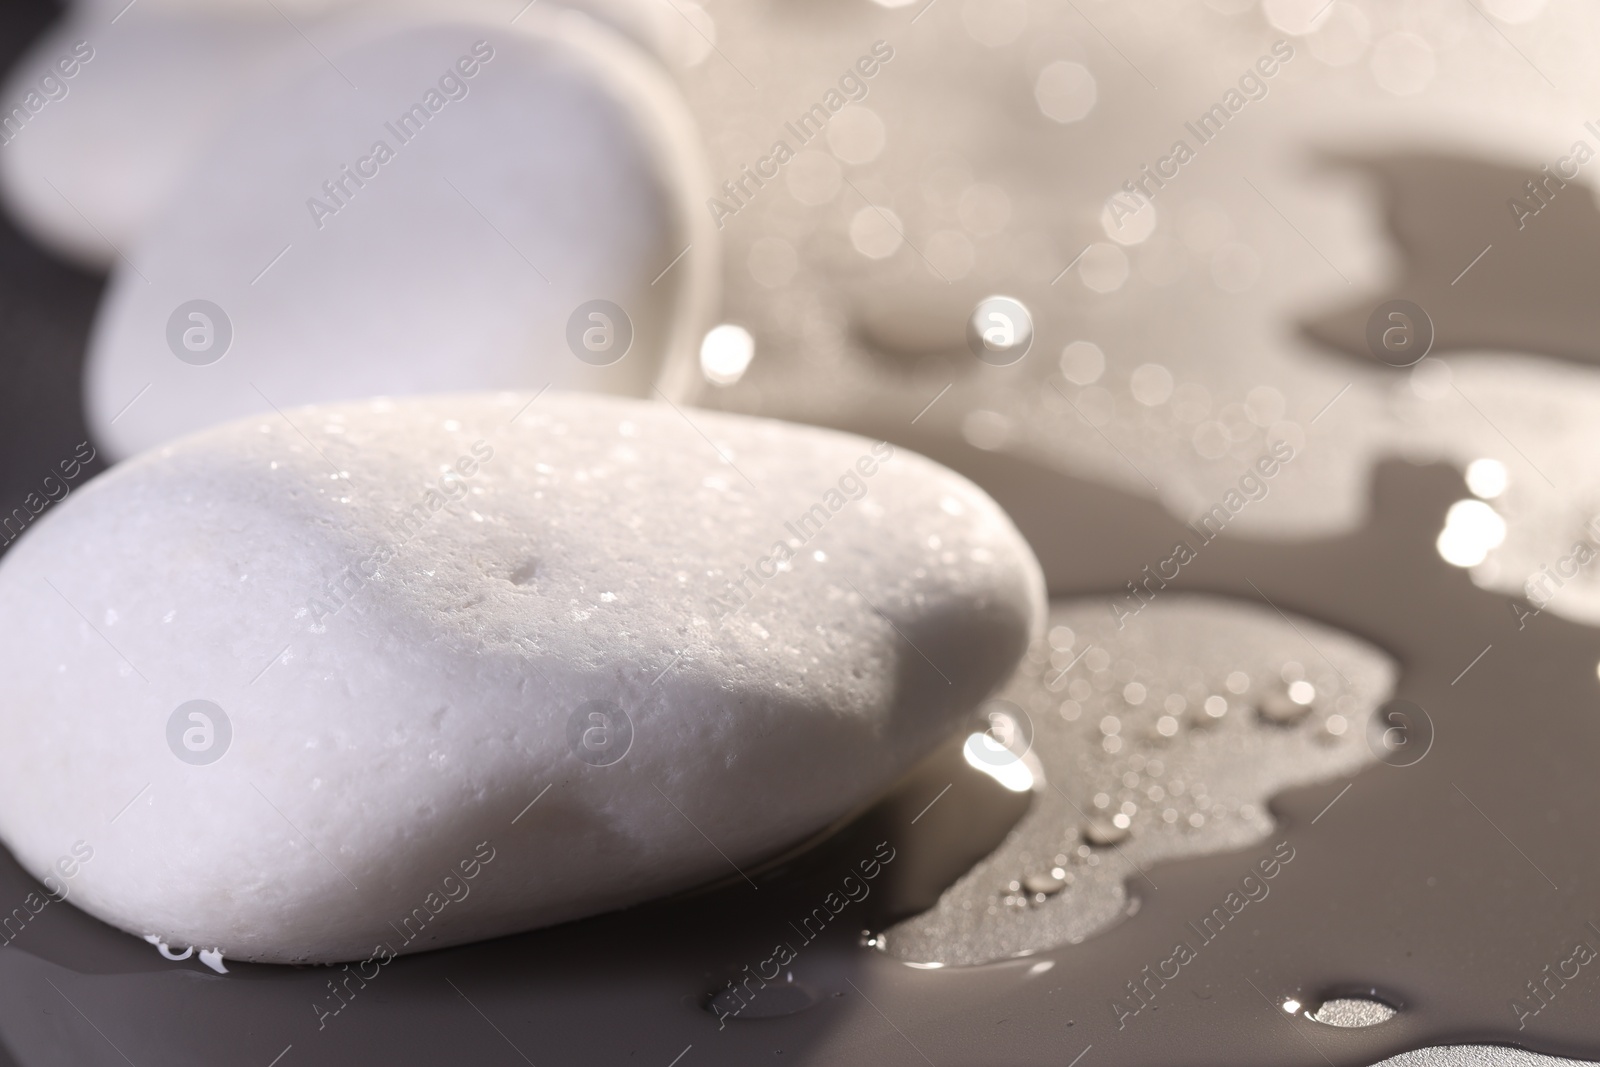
{"points": [[1159, 722], [1446, 886]]}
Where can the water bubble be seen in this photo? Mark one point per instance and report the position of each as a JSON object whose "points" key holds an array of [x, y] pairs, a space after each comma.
{"points": [[1103, 834], [1237, 682], [1133, 693], [1082, 363], [1065, 91], [988, 430], [856, 135], [1486, 478], [1151, 384], [1167, 726], [1103, 268], [1265, 405], [1215, 707], [1061, 638], [1125, 224], [725, 353], [1000, 331], [876, 232], [1472, 529]]}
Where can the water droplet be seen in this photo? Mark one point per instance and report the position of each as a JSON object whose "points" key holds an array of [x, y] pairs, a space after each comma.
{"points": [[1279, 709], [769, 1001], [1046, 884], [1353, 1012], [1472, 529], [1105, 834], [1103, 268], [1151, 384]]}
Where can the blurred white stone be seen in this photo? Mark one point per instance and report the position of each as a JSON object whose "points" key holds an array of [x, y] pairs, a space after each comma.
{"points": [[407, 620], [93, 166], [449, 226]]}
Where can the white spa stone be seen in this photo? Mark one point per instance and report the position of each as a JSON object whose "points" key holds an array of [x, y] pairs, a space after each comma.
{"points": [[400, 683], [561, 171], [94, 154]]}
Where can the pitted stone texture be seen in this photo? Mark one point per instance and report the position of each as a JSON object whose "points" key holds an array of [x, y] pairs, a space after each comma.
{"points": [[401, 605]]}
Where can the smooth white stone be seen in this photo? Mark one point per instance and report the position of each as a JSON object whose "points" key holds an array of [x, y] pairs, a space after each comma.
{"points": [[376, 745], [89, 171], [566, 174]]}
